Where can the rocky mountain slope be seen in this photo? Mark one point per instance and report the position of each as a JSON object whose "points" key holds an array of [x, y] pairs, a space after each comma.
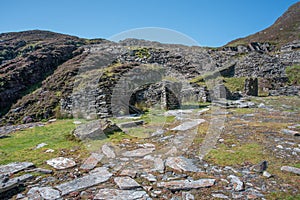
{"points": [[27, 58], [285, 29]]}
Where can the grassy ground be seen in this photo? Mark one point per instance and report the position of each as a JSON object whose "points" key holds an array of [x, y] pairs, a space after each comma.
{"points": [[20, 146]]}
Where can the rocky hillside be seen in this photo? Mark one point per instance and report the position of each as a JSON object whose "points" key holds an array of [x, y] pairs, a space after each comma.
{"points": [[286, 29], [28, 58]]}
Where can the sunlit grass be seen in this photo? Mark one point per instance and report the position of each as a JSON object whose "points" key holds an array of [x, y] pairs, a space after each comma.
{"points": [[20, 146]]}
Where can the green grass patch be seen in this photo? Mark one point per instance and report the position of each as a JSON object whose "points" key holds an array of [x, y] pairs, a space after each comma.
{"points": [[237, 155], [20, 145], [200, 80], [139, 132], [243, 110], [232, 83], [283, 196], [141, 52], [293, 74], [235, 83]]}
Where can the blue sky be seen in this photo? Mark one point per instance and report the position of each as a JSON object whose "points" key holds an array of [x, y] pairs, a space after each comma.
{"points": [[208, 22]]}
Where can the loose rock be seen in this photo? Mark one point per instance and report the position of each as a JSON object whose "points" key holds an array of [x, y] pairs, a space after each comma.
{"points": [[238, 185], [187, 196], [126, 183], [131, 124], [14, 167], [92, 161], [114, 194], [84, 182], [61, 163], [108, 151], [186, 184], [181, 164], [294, 170], [138, 152], [290, 132], [14, 182], [188, 125], [220, 196], [47, 193]]}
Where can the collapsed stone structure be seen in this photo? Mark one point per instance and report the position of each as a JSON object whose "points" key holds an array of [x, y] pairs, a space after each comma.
{"points": [[109, 79]]}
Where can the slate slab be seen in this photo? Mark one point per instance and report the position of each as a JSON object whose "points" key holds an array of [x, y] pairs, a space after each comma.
{"points": [[131, 124], [188, 125], [87, 181], [15, 167], [46, 193], [186, 184], [14, 182], [114, 194], [181, 164], [138, 152], [294, 170], [159, 164], [92, 161], [126, 183], [108, 151]]}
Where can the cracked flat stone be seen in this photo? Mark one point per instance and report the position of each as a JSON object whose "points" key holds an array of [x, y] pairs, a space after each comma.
{"points": [[92, 161], [188, 125], [186, 184], [181, 164], [108, 151], [294, 170], [126, 183], [114, 194], [99, 176], [14, 167], [47, 193], [138, 152], [61, 163], [14, 182]]}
